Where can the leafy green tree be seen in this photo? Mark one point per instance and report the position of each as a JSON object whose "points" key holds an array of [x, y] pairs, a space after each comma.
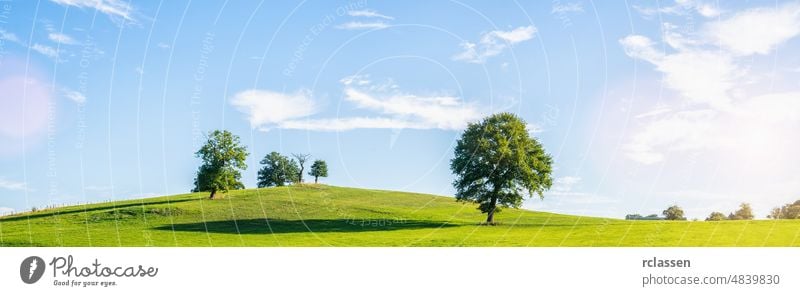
{"points": [[223, 156], [788, 211], [318, 169], [278, 170], [791, 211], [674, 213], [497, 161], [745, 212], [775, 213], [301, 160], [716, 216]]}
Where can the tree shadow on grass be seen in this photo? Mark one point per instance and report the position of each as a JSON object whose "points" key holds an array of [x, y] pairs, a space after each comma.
{"points": [[263, 226]]}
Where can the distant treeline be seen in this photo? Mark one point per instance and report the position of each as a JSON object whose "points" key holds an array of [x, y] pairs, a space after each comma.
{"points": [[745, 212]]}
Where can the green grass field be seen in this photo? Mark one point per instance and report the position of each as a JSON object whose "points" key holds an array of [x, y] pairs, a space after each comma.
{"points": [[335, 216]]}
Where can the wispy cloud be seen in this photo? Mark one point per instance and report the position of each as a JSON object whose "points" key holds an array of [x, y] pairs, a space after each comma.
{"points": [[362, 25], [756, 31], [534, 128], [711, 72], [45, 50], [74, 96], [61, 38], [368, 13], [425, 111], [389, 108], [265, 109], [564, 185], [704, 8], [8, 36], [112, 8], [493, 43], [11, 185], [701, 75], [573, 7]]}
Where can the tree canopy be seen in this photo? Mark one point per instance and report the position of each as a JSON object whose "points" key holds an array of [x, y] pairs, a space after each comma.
{"points": [[278, 170], [788, 211], [497, 161], [716, 216], [674, 213], [745, 212], [318, 169], [223, 156]]}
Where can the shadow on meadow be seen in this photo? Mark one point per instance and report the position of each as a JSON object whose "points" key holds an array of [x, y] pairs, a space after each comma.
{"points": [[264, 226]]}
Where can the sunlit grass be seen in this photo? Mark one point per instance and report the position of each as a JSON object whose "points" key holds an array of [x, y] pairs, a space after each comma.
{"points": [[335, 216]]}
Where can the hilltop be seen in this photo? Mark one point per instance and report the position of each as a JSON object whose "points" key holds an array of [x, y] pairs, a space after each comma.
{"points": [[318, 215]]}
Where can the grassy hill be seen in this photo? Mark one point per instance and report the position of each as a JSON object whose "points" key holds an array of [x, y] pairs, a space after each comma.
{"points": [[335, 216]]}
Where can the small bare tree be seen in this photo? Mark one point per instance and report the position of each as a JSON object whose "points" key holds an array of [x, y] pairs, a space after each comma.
{"points": [[301, 160]]}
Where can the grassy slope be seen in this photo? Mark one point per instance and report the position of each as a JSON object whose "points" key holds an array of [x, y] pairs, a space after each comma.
{"points": [[335, 216]]}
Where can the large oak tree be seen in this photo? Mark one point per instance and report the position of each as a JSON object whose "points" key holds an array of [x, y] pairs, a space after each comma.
{"points": [[497, 162], [223, 156]]}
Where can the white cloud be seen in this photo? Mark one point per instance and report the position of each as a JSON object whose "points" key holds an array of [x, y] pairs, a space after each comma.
{"points": [[679, 131], [8, 36], [11, 185], [534, 128], [362, 26], [265, 108], [368, 13], [706, 8], [712, 72], [656, 112], [493, 43], [574, 7], [703, 76], [75, 96], [564, 184], [112, 8], [45, 50], [61, 38], [757, 31], [356, 80], [163, 45], [6, 211], [436, 112], [390, 108]]}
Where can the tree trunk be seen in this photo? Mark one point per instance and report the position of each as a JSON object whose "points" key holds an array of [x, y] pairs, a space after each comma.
{"points": [[300, 176], [315, 179], [490, 217], [213, 194]]}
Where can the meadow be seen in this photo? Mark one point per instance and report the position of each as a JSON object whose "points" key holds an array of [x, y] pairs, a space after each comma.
{"points": [[319, 215]]}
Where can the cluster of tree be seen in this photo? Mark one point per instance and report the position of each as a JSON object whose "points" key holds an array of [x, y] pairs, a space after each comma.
{"points": [[224, 156], [640, 217], [279, 170], [745, 212], [674, 212], [788, 211]]}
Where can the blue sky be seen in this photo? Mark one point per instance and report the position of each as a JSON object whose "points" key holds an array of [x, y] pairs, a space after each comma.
{"points": [[641, 104]]}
